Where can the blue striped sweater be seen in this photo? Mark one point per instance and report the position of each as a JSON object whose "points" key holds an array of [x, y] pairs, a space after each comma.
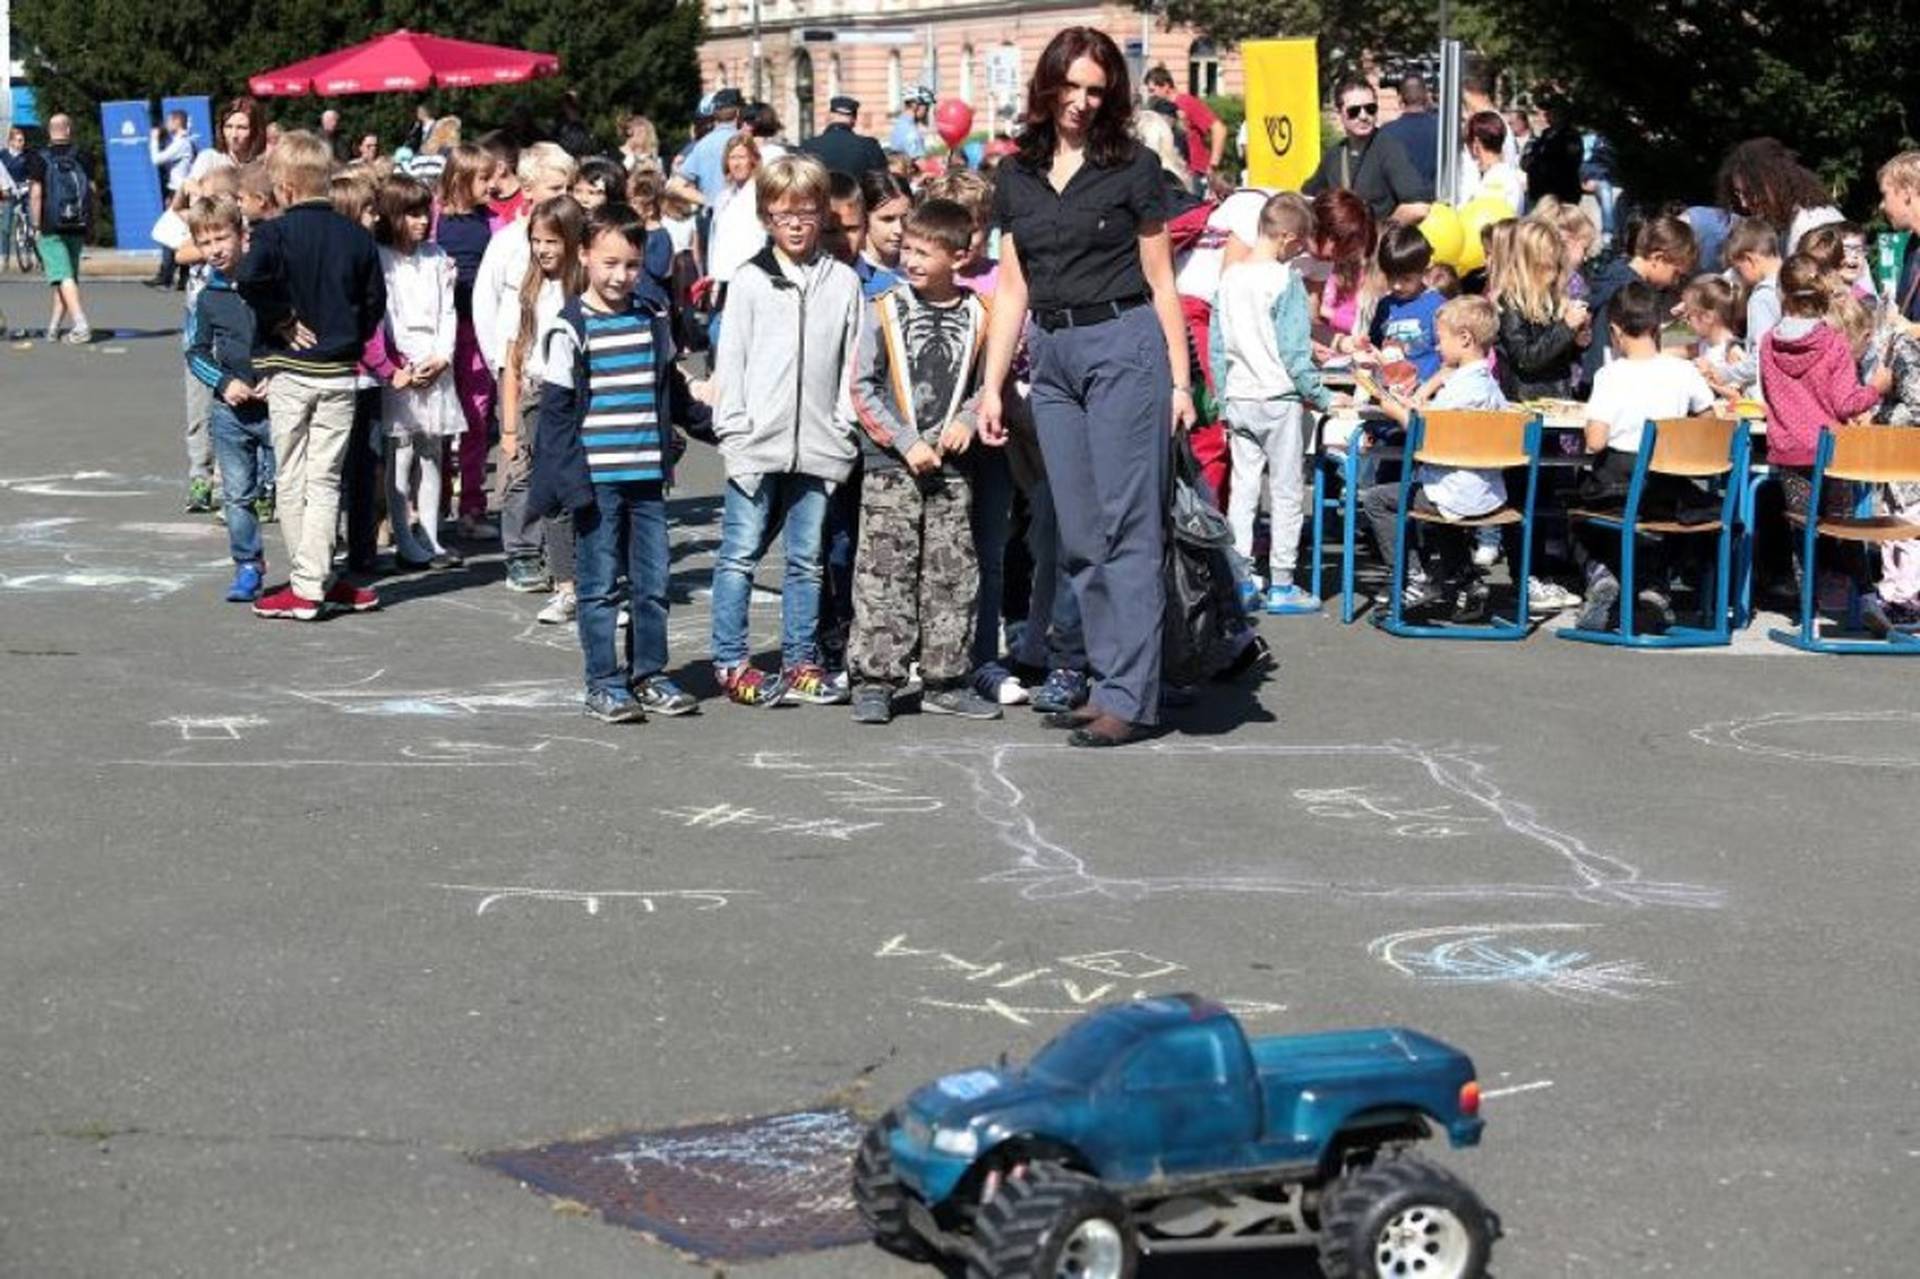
{"points": [[620, 423]]}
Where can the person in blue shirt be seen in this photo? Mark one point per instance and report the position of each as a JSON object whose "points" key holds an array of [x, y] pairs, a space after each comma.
{"points": [[1404, 317], [706, 163], [1417, 129], [909, 127]]}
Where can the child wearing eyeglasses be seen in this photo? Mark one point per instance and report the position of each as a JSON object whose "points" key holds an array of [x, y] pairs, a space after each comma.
{"points": [[786, 429]]}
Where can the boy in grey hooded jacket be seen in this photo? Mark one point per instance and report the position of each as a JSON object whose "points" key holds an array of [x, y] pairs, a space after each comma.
{"points": [[786, 428]]}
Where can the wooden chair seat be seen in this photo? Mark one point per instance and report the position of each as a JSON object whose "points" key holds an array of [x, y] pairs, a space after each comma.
{"points": [[1646, 526], [1505, 515], [1873, 528]]}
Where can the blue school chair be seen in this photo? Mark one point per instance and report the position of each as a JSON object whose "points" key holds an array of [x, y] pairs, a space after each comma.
{"points": [[1347, 466], [1481, 440], [1865, 456], [1694, 448]]}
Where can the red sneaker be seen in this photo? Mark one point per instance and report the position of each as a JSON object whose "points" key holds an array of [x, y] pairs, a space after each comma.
{"points": [[284, 603], [346, 596]]}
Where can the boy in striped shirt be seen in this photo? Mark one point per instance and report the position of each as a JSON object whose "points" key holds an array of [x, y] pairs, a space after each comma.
{"points": [[610, 391]]}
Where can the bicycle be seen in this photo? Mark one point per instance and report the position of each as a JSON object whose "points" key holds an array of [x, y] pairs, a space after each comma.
{"points": [[22, 247]]}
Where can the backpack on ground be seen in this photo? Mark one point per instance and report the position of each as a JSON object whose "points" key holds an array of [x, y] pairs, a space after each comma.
{"points": [[67, 194], [1199, 634]]}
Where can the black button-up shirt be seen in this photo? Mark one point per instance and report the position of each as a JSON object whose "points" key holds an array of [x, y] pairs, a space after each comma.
{"points": [[1081, 246]]}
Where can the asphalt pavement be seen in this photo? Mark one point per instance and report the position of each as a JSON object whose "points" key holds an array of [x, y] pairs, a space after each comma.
{"points": [[298, 923]]}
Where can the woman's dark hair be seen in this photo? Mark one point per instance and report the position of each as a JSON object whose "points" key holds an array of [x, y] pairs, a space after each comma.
{"points": [[1763, 178], [1487, 129], [399, 196], [1343, 226], [256, 136], [1109, 134], [614, 218], [880, 186], [500, 145]]}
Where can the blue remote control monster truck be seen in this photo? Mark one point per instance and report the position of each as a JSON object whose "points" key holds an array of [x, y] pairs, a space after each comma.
{"points": [[1159, 1126]]}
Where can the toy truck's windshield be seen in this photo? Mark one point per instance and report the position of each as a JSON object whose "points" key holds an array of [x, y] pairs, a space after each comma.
{"points": [[1082, 1054]]}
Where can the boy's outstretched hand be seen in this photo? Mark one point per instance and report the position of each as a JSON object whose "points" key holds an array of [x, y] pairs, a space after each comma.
{"points": [[239, 393]]}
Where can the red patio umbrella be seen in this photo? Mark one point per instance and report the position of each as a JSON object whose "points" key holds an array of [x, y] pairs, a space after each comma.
{"points": [[404, 62]]}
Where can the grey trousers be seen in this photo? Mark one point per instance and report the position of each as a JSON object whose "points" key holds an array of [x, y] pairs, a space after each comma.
{"points": [[1102, 404], [199, 437]]}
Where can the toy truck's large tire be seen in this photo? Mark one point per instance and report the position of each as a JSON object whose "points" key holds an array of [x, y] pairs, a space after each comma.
{"points": [[878, 1198], [1054, 1224], [1404, 1218]]}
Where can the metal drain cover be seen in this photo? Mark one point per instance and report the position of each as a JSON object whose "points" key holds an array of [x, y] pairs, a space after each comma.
{"points": [[735, 1191]]}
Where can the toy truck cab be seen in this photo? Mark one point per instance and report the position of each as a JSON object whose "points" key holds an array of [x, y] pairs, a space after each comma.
{"points": [[1167, 1124]]}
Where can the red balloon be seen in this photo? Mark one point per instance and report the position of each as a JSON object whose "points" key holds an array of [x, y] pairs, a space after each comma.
{"points": [[954, 119]]}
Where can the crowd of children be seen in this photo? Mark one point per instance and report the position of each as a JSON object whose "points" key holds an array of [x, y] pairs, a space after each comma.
{"points": [[349, 324]]}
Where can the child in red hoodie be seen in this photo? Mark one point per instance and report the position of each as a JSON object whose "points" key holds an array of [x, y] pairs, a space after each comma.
{"points": [[1811, 381]]}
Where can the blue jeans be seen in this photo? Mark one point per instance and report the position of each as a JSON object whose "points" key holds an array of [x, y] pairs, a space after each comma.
{"points": [[1052, 638], [243, 445], [624, 532], [992, 528], [747, 525]]}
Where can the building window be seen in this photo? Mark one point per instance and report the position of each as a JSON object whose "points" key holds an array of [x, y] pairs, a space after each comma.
{"points": [[895, 88], [1203, 68], [833, 76], [802, 99], [966, 73]]}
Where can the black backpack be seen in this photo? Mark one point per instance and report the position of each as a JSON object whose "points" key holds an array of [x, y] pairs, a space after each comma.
{"points": [[67, 193], [1201, 624]]}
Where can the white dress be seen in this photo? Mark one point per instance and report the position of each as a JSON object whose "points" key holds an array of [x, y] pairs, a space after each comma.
{"points": [[420, 326]]}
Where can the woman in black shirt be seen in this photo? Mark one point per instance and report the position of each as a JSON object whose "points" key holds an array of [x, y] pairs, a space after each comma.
{"points": [[1084, 251]]}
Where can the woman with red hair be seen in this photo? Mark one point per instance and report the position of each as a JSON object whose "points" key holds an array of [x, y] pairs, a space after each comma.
{"points": [[1084, 251], [1344, 233]]}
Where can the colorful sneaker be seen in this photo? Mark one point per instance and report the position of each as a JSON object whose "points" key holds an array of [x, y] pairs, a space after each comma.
{"points": [[1249, 596], [248, 581], [997, 684], [199, 496], [749, 686], [613, 707], [1290, 599], [872, 704], [265, 507], [528, 576], [959, 700], [560, 609], [348, 598], [811, 684], [283, 603], [1064, 690], [659, 695]]}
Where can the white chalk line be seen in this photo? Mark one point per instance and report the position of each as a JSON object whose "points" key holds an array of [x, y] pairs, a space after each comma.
{"points": [[1740, 735], [1492, 1094]]}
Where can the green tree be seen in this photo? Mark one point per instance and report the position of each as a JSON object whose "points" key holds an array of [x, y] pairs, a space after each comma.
{"points": [[1346, 29], [1674, 83], [618, 55]]}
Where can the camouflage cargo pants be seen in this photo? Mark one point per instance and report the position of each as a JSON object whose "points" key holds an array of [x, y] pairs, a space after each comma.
{"points": [[914, 579]]}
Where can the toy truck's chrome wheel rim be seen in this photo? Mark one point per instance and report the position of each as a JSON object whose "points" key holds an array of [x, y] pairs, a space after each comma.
{"points": [[1423, 1241], [1094, 1251]]}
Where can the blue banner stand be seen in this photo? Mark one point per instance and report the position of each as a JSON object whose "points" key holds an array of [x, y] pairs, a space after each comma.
{"points": [[132, 181]]}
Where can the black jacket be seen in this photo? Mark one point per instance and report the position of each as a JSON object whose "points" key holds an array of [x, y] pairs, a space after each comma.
{"points": [[220, 336], [1536, 360], [314, 267], [844, 151]]}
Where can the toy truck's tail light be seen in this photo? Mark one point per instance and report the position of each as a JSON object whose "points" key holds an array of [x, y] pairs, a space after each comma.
{"points": [[1470, 1098]]}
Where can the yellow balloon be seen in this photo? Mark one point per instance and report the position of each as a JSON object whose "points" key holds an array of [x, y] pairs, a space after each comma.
{"points": [[1475, 216], [1442, 229]]}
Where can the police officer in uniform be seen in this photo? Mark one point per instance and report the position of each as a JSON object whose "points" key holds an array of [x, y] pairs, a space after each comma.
{"points": [[839, 147]]}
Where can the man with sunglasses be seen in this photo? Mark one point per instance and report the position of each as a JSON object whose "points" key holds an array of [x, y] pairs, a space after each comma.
{"points": [[1372, 166]]}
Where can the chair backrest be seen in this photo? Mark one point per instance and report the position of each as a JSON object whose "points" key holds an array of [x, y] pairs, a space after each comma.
{"points": [[1485, 439], [1875, 454], [1693, 446]]}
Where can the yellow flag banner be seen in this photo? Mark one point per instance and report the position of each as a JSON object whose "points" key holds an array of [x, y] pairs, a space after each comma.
{"points": [[1283, 112]]}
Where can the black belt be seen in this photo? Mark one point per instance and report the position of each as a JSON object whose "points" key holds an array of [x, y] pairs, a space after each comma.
{"points": [[1074, 317]]}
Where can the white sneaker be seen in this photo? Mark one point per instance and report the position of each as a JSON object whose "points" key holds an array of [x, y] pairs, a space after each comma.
{"points": [[1549, 597], [1485, 553], [80, 336], [559, 610]]}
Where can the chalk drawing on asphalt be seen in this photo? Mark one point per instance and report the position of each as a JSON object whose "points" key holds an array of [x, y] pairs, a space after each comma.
{"points": [[645, 901], [211, 728], [744, 817], [1022, 990], [1508, 955], [1772, 734], [871, 789], [146, 586], [1046, 866], [73, 484], [507, 697]]}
